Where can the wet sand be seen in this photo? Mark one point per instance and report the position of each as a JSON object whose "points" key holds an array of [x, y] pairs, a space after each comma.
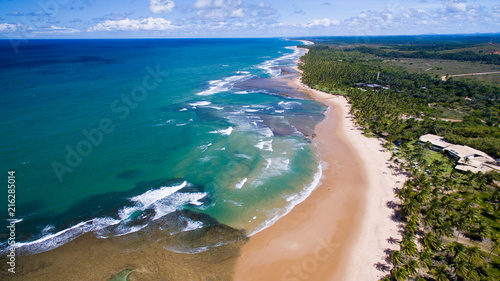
{"points": [[340, 231]]}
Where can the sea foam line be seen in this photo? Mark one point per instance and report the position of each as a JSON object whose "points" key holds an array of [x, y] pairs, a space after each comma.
{"points": [[163, 200], [293, 200]]}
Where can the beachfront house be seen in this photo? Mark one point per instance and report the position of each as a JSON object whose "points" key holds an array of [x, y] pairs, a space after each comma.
{"points": [[437, 143], [467, 158]]}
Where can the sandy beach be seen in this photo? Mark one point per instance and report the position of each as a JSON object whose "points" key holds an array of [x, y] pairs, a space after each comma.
{"points": [[341, 231]]}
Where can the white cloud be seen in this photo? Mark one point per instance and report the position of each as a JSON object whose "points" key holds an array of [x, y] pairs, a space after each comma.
{"points": [[151, 24], [53, 29], [234, 11], [202, 4], [455, 7], [207, 4], [320, 22], [161, 6], [239, 13], [7, 27]]}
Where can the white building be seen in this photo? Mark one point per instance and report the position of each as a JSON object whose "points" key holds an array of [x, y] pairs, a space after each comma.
{"points": [[468, 158]]}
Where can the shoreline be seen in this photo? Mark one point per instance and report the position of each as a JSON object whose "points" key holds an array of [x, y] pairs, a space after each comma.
{"points": [[340, 231]]}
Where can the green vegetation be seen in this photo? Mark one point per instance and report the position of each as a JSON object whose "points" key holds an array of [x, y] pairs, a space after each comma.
{"points": [[417, 53], [450, 221], [415, 104]]}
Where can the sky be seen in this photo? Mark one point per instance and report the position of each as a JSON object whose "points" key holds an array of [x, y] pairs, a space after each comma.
{"points": [[25, 19]]}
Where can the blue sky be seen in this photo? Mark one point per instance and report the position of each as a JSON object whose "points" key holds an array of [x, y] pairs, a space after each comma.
{"points": [[243, 18]]}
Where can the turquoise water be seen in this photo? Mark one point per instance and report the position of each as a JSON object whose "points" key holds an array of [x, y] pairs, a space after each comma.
{"points": [[109, 135]]}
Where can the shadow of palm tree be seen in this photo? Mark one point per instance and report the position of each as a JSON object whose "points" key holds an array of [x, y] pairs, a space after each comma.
{"points": [[392, 240], [382, 267]]}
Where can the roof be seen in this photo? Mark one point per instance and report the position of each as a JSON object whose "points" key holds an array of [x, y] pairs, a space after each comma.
{"points": [[469, 159], [465, 168], [463, 151], [434, 140]]}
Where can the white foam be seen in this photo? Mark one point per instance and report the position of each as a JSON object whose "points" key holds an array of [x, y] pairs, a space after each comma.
{"points": [[216, 107], [163, 201], [234, 202], [288, 104], [51, 241], [241, 155], [183, 109], [200, 103], [251, 110], [293, 200], [271, 66], [150, 197], [224, 132], [266, 132], [265, 145], [192, 225], [223, 85], [269, 162], [165, 123], [205, 146], [241, 183]]}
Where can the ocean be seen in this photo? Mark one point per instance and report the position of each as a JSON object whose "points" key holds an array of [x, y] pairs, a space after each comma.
{"points": [[109, 136]]}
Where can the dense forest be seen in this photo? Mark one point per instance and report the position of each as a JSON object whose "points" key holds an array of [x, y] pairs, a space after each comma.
{"points": [[421, 53], [411, 103], [450, 222]]}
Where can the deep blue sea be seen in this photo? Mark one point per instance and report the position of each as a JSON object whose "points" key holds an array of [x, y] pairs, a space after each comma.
{"points": [[107, 136]]}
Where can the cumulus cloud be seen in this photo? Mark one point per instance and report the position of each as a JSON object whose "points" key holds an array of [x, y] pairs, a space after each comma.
{"points": [[161, 6], [202, 4], [320, 22], [239, 13], [455, 6], [7, 27], [207, 4], [151, 24], [233, 13]]}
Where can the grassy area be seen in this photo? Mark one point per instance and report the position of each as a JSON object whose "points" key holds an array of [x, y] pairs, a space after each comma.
{"points": [[480, 48], [438, 68], [447, 113]]}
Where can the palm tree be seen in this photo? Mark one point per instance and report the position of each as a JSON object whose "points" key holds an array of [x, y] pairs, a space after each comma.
{"points": [[396, 258], [425, 258], [429, 240], [448, 204], [474, 254], [400, 274], [461, 268], [457, 249], [444, 230], [412, 268], [408, 247], [495, 240], [411, 227], [440, 273], [483, 230], [481, 180], [461, 226], [410, 206]]}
